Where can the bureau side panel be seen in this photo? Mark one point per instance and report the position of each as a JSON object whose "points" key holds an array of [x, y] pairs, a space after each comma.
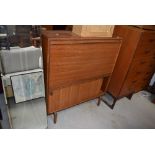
{"points": [[45, 51], [129, 43]]}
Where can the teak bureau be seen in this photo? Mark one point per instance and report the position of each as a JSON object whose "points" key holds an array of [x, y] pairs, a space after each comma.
{"points": [[76, 69], [135, 64]]}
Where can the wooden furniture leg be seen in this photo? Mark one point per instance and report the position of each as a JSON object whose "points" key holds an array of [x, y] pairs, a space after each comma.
{"points": [[55, 117], [99, 101], [130, 96], [109, 105]]}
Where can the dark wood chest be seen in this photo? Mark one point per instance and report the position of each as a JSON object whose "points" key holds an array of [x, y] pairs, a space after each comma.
{"points": [[136, 61]]}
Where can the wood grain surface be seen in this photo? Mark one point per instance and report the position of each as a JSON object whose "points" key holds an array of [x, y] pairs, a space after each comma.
{"points": [[76, 69], [136, 61]]}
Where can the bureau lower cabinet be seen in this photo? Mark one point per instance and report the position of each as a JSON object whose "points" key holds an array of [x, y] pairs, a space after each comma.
{"points": [[135, 64], [76, 69]]}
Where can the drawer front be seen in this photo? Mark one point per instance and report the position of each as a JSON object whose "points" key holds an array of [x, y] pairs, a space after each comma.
{"points": [[146, 45], [133, 86], [73, 63], [148, 39], [138, 85], [141, 69], [144, 51], [143, 62], [139, 75]]}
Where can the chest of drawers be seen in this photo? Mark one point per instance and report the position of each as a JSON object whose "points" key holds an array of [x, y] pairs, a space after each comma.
{"points": [[135, 64], [76, 69]]}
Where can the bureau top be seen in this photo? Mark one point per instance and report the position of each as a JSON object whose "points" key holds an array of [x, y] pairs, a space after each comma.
{"points": [[60, 34], [70, 36]]}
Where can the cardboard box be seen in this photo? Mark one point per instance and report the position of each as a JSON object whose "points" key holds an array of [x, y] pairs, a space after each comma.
{"points": [[93, 30]]}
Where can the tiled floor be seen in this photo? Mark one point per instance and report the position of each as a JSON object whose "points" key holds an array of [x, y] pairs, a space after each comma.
{"points": [[137, 113]]}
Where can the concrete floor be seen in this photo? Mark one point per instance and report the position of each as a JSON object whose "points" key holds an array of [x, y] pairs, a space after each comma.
{"points": [[5, 122], [137, 113], [29, 114], [25, 115]]}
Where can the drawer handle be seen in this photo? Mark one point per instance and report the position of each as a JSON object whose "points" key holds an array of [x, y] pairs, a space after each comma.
{"points": [[134, 81], [51, 93], [152, 65], [151, 40], [148, 73], [147, 51], [142, 62], [138, 72], [145, 79]]}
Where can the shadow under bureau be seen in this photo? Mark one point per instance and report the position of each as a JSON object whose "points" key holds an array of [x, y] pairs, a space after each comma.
{"points": [[76, 69]]}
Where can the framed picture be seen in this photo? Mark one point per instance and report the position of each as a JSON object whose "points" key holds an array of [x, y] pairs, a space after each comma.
{"points": [[28, 86]]}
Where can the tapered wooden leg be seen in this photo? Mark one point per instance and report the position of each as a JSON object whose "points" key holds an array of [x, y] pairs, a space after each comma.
{"points": [[99, 101], [130, 96], [55, 117]]}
